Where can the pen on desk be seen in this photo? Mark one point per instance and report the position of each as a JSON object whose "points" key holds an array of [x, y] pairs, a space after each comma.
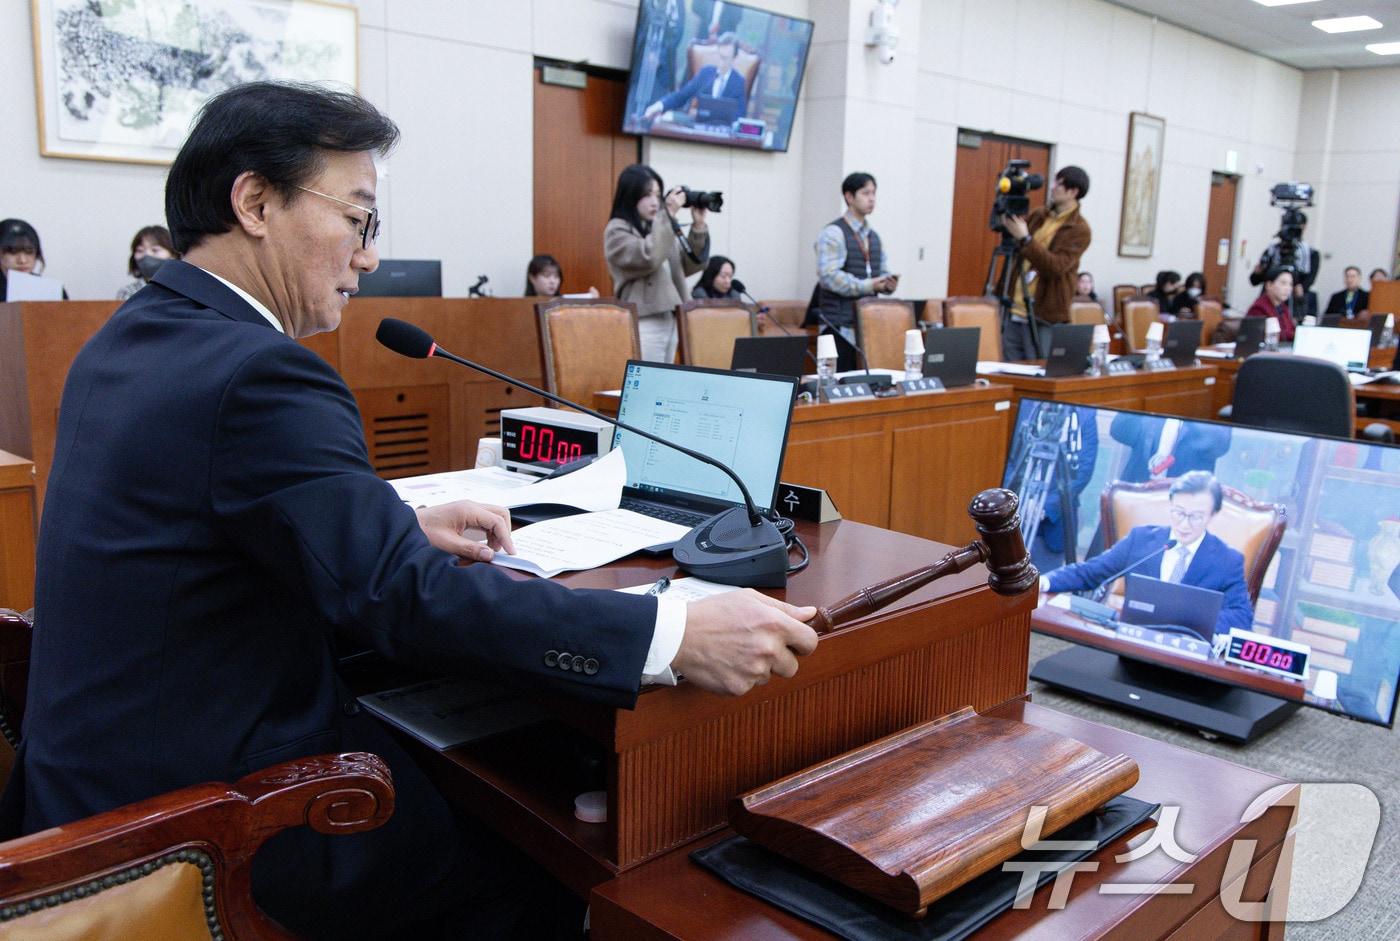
{"points": [[661, 585]]}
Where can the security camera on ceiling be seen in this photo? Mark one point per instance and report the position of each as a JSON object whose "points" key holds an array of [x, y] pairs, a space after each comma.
{"points": [[883, 32]]}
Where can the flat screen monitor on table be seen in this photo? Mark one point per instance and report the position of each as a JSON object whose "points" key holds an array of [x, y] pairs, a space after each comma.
{"points": [[1303, 550], [718, 73]]}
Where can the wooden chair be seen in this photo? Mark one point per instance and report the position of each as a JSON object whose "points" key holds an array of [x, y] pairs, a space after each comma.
{"points": [[585, 345], [932, 312], [1212, 314], [746, 63], [781, 317], [1138, 314], [1254, 529], [980, 312], [180, 865], [1122, 293], [882, 323], [1148, 288], [1083, 310], [708, 329]]}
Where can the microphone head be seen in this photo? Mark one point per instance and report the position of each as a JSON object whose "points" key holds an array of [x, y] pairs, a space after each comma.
{"points": [[738, 285], [1171, 544], [405, 338]]}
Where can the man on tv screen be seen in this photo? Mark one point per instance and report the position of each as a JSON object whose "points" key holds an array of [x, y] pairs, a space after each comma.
{"points": [[1184, 552], [712, 81]]}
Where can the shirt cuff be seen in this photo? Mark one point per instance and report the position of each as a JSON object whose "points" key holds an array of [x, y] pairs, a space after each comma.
{"points": [[665, 642]]}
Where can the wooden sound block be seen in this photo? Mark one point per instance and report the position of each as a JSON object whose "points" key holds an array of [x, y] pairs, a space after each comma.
{"points": [[912, 816]]}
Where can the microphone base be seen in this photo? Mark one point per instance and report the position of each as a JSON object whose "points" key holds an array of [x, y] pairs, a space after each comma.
{"points": [[728, 549]]}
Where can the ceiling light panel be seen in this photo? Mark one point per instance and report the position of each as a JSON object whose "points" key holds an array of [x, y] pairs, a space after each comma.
{"points": [[1346, 24]]}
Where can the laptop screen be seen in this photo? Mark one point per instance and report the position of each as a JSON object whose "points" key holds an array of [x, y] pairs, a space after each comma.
{"points": [[740, 419], [1347, 347]]}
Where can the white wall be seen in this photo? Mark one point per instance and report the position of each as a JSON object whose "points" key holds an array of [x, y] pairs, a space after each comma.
{"points": [[457, 76], [1349, 147]]}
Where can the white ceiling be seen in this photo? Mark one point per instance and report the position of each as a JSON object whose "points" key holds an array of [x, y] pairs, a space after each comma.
{"points": [[1284, 33]]}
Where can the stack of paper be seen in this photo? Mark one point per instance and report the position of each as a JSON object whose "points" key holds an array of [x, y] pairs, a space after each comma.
{"points": [[585, 541], [596, 487], [1010, 369]]}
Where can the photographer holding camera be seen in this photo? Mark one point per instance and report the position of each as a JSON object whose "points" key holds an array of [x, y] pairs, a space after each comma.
{"points": [[1288, 251], [1050, 242], [648, 257]]}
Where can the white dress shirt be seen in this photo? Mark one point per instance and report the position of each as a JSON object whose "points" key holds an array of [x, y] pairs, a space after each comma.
{"points": [[669, 631], [1170, 557]]}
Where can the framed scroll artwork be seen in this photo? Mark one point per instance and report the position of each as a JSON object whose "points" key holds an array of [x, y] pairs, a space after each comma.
{"points": [[1142, 182], [123, 80]]}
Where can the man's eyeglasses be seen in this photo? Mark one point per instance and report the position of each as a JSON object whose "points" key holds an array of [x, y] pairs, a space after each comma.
{"points": [[1181, 516], [369, 229]]}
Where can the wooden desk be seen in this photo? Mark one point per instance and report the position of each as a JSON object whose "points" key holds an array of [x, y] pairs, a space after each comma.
{"points": [[17, 521], [674, 762], [1189, 392], [907, 463], [672, 898]]}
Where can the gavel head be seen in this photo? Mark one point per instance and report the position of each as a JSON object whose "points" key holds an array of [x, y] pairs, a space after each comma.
{"points": [[994, 513]]}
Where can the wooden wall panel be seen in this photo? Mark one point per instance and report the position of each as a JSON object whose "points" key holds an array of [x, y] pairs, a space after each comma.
{"points": [[853, 468], [938, 466], [18, 519]]}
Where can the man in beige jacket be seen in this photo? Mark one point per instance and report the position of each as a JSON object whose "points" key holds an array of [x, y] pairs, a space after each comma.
{"points": [[645, 256]]}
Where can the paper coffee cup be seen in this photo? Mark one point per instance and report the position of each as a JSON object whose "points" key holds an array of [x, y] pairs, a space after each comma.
{"points": [[826, 346]]}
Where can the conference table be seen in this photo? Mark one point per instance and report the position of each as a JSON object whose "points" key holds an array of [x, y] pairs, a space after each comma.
{"points": [[672, 765]]}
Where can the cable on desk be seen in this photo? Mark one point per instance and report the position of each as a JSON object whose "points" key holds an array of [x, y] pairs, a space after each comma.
{"points": [[788, 530]]}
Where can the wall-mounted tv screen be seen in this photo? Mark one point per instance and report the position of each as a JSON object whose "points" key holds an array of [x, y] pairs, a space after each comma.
{"points": [[1264, 560], [716, 72]]}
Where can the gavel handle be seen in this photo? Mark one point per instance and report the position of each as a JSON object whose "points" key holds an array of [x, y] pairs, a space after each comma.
{"points": [[872, 598]]}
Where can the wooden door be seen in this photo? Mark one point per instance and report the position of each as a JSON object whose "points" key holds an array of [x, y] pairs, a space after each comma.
{"points": [[980, 158], [579, 151], [1220, 229]]}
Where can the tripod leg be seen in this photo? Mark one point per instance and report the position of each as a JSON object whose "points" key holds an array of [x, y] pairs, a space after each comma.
{"points": [[1069, 515], [1031, 325]]}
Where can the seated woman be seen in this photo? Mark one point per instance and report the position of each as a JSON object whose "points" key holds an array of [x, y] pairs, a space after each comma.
{"points": [[1184, 304], [1168, 286], [717, 281], [151, 247], [1084, 286], [20, 251], [1278, 285], [544, 277]]}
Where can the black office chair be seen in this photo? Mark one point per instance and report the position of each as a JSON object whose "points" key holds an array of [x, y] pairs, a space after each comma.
{"points": [[1308, 396]]}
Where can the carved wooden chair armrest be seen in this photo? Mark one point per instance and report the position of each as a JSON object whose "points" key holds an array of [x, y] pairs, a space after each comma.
{"points": [[183, 860]]}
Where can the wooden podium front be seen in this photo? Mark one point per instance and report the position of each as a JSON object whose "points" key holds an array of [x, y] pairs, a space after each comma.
{"points": [[675, 761]]}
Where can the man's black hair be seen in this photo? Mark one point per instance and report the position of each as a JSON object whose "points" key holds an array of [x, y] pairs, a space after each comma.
{"points": [[1352, 268], [632, 185], [1076, 179], [855, 182], [1199, 481], [728, 39], [278, 130]]}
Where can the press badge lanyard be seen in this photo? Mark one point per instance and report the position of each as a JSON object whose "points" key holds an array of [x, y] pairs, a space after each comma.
{"points": [[864, 249]]}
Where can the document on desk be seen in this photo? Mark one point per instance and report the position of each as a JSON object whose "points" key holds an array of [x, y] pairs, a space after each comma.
{"points": [[683, 589], [596, 487], [1010, 369], [1361, 379], [1215, 352], [585, 541]]}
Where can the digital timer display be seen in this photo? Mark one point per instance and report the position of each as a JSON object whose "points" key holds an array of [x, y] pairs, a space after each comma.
{"points": [[545, 445], [1264, 653]]}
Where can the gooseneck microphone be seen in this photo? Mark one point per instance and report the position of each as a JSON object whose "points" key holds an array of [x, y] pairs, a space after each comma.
{"points": [[738, 546], [874, 380], [1102, 591], [738, 285]]}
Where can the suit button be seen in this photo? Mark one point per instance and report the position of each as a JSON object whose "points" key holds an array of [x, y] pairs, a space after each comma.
{"points": [[551, 659], [350, 707], [566, 661], [578, 664], [590, 666]]}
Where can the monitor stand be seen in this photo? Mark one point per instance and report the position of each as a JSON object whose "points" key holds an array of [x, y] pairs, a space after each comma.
{"points": [[1216, 709]]}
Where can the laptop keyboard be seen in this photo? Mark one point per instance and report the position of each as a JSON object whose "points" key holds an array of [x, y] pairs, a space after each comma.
{"points": [[669, 514]]}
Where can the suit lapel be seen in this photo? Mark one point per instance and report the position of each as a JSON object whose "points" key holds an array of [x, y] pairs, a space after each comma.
{"points": [[203, 288]]}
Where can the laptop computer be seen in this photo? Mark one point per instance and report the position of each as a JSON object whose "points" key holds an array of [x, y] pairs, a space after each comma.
{"points": [[777, 356], [716, 111], [1377, 325], [1349, 348], [951, 355], [1068, 354], [1250, 339], [1330, 320], [1180, 340], [1171, 606], [403, 277], [740, 419]]}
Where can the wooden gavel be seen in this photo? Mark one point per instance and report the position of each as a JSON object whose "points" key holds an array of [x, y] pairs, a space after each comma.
{"points": [[1010, 571]]}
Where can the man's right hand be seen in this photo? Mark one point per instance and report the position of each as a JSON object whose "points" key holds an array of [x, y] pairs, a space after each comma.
{"points": [[885, 285], [738, 640]]}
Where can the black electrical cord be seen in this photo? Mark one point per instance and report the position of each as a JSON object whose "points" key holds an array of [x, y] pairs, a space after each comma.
{"points": [[788, 530]]}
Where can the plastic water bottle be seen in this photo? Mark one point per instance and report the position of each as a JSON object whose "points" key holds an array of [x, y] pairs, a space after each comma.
{"points": [[913, 354], [1271, 332], [1098, 357], [826, 360], [1388, 331], [1154, 342]]}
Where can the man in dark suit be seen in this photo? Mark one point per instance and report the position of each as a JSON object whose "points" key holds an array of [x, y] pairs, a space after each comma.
{"points": [[1167, 447], [212, 523], [1183, 552], [711, 81], [1351, 300]]}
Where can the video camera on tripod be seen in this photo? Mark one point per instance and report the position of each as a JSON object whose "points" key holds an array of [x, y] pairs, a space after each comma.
{"points": [[1292, 197], [1013, 187]]}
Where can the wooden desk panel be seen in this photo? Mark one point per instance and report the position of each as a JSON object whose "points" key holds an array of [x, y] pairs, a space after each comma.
{"points": [[1188, 393], [17, 522], [672, 898], [674, 762]]}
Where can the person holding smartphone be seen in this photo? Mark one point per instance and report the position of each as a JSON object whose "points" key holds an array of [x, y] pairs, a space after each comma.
{"points": [[851, 261]]}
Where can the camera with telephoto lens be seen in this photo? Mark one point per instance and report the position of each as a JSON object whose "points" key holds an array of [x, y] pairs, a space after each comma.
{"points": [[710, 202], [1292, 197], [1012, 188]]}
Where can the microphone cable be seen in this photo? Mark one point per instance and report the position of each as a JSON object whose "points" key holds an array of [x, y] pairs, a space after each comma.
{"points": [[788, 530]]}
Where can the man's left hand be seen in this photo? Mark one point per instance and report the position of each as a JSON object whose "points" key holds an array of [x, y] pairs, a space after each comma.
{"points": [[1016, 225], [452, 526]]}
